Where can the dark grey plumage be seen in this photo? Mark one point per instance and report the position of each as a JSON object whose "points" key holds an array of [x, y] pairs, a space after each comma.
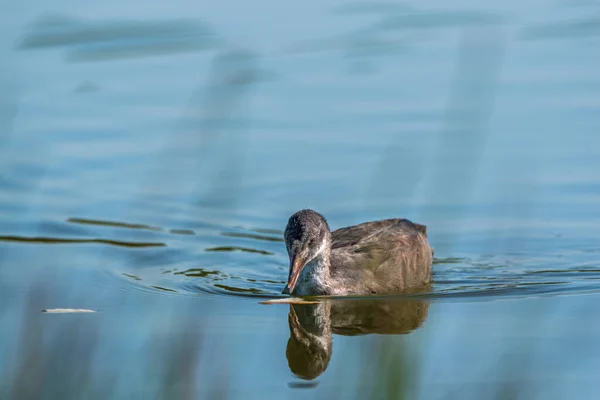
{"points": [[379, 257]]}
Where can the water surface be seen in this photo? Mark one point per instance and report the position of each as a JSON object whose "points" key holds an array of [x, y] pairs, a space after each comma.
{"points": [[150, 158]]}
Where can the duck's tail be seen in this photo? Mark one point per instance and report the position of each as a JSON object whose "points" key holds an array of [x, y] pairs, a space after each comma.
{"points": [[423, 230]]}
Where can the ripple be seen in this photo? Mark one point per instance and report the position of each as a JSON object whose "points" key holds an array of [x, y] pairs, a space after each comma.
{"points": [[303, 385], [112, 39], [213, 282], [50, 240], [199, 272], [129, 225], [239, 248], [216, 289], [240, 290], [232, 269], [182, 232], [252, 236], [269, 231], [85, 221], [449, 260], [497, 278], [137, 278], [164, 289]]}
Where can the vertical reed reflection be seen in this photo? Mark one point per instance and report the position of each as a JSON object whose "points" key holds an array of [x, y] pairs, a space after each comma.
{"points": [[77, 356], [8, 109], [470, 105], [36, 372], [211, 123]]}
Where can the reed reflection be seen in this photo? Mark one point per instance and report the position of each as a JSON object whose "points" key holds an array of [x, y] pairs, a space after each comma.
{"points": [[309, 348]]}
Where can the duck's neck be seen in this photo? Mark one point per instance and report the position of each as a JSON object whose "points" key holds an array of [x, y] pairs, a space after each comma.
{"points": [[315, 278]]}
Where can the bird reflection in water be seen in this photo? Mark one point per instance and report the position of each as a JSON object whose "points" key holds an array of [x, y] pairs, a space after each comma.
{"points": [[309, 348]]}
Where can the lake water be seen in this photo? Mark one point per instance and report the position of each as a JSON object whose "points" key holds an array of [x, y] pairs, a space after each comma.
{"points": [[151, 153]]}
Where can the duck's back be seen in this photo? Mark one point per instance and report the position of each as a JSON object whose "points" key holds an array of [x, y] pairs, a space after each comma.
{"points": [[385, 256]]}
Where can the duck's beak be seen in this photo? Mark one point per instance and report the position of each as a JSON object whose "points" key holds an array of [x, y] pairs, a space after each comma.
{"points": [[296, 265]]}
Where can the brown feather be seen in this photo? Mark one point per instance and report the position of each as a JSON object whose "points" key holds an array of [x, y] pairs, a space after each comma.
{"points": [[382, 256]]}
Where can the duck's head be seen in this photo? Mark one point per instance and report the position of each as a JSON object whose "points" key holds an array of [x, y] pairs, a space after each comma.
{"points": [[307, 236]]}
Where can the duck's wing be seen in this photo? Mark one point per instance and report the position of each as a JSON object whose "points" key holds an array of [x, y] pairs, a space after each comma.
{"points": [[370, 233], [385, 255]]}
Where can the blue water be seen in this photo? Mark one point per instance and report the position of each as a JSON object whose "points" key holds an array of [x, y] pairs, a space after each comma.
{"points": [[150, 155]]}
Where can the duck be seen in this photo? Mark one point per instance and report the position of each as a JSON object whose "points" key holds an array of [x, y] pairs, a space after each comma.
{"points": [[372, 258]]}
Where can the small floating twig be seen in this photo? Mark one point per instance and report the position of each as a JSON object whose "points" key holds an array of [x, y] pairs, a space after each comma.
{"points": [[67, 310], [289, 300]]}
